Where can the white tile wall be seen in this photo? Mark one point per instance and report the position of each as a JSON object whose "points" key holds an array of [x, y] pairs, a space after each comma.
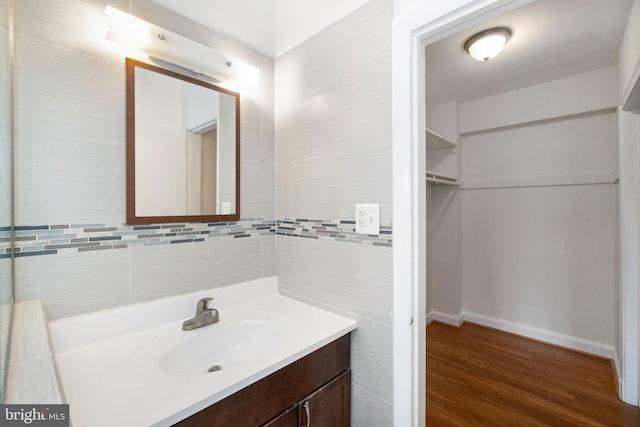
{"points": [[367, 409], [34, 380], [5, 188], [333, 122], [370, 351], [4, 5], [27, 334], [267, 135], [160, 271], [283, 190], [32, 377], [250, 114], [74, 282], [70, 136], [71, 161], [5, 185], [68, 180], [4, 79], [354, 278], [5, 312], [329, 149], [76, 25], [345, 118], [268, 190], [5, 281], [61, 91], [268, 256], [333, 149], [330, 186], [5, 170]]}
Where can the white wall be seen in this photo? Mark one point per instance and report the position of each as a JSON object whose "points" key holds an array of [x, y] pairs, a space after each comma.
{"points": [[565, 150], [629, 56], [444, 267], [539, 251], [333, 133], [201, 106], [583, 93], [543, 257], [161, 138], [226, 154], [297, 20], [444, 220]]}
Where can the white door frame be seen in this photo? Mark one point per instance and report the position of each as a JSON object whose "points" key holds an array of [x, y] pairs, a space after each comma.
{"points": [[629, 296], [415, 24]]}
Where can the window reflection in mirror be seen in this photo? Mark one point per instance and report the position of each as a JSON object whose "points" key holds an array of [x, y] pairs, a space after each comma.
{"points": [[182, 148]]}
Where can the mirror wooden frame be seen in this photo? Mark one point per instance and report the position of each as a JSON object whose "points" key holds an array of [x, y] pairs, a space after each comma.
{"points": [[132, 218]]}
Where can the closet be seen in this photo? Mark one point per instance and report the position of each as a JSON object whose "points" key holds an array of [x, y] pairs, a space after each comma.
{"points": [[440, 152], [522, 210], [522, 177], [528, 225]]}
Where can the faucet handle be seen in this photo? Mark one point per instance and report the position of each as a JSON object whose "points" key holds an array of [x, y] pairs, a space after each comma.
{"points": [[203, 304]]}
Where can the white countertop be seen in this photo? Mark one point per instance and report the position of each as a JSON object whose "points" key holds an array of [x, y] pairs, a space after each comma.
{"points": [[109, 379]]}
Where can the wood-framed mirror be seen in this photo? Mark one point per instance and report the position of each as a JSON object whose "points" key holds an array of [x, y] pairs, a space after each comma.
{"points": [[183, 148]]}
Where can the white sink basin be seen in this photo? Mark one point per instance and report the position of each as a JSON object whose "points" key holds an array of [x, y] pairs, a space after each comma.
{"points": [[116, 356], [228, 344]]}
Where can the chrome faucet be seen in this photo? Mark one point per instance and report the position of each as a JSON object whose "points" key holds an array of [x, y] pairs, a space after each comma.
{"points": [[204, 316]]}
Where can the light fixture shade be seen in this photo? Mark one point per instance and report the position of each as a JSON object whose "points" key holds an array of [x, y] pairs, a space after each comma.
{"points": [[487, 44], [170, 49]]}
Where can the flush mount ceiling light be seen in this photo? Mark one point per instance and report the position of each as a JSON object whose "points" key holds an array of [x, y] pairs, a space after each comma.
{"points": [[487, 44]]}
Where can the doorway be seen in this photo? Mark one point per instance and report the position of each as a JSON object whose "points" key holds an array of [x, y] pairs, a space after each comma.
{"points": [[424, 26]]}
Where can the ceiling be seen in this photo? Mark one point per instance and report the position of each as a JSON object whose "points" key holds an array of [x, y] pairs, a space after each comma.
{"points": [[271, 27], [551, 39]]}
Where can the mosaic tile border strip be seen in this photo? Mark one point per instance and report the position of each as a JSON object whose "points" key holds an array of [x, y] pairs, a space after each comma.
{"points": [[55, 239], [338, 230]]}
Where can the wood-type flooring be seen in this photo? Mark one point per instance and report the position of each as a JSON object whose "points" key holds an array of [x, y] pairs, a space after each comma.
{"points": [[478, 376]]}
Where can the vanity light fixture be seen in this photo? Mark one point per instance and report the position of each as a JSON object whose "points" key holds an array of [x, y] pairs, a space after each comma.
{"points": [[175, 51], [487, 44]]}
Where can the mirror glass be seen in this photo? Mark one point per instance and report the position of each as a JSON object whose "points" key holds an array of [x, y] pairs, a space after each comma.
{"points": [[183, 145]]}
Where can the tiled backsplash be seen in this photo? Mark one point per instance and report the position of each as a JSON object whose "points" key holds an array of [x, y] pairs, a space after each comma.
{"points": [[52, 239], [339, 230]]}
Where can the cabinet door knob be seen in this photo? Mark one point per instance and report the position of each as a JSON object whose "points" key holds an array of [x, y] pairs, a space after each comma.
{"points": [[306, 410]]}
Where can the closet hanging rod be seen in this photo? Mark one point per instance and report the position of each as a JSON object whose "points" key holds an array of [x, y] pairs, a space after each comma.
{"points": [[441, 179]]}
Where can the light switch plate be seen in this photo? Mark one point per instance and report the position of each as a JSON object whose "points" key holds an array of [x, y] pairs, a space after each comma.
{"points": [[226, 208], [368, 218]]}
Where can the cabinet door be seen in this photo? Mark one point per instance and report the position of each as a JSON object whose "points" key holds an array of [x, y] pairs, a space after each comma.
{"points": [[329, 406], [288, 418]]}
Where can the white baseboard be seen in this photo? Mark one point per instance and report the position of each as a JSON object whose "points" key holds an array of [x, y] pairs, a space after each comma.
{"points": [[449, 319], [550, 337], [616, 368], [429, 317]]}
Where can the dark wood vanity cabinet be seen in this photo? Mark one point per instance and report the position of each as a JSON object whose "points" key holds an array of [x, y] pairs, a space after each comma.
{"points": [[288, 418], [329, 406], [314, 390]]}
